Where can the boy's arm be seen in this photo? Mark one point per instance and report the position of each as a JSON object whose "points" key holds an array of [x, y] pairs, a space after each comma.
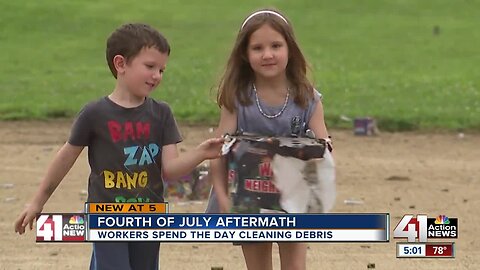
{"points": [[174, 166], [56, 171], [218, 171]]}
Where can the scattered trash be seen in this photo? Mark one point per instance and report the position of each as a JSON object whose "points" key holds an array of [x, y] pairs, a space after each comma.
{"points": [[210, 130], [7, 185], [371, 266], [396, 199], [398, 178], [353, 202], [9, 199], [412, 207], [189, 203], [83, 192], [194, 186], [365, 126], [445, 190], [345, 118], [461, 135]]}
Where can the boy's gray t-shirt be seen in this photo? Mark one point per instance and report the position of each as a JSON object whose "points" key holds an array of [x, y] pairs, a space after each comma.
{"points": [[125, 149]]}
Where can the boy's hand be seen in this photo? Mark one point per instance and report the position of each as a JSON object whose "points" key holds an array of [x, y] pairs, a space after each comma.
{"points": [[26, 218], [211, 148]]}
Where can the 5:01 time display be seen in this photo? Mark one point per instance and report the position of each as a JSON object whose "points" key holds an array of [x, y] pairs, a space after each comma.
{"points": [[410, 250]]}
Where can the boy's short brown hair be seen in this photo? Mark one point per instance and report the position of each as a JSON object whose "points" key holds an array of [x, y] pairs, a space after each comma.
{"points": [[129, 39]]}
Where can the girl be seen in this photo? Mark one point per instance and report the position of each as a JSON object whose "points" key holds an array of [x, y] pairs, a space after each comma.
{"points": [[264, 90]]}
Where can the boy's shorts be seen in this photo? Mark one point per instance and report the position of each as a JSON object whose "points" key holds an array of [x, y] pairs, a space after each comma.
{"points": [[125, 256]]}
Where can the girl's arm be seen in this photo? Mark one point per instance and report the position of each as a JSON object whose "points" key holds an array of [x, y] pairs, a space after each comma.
{"points": [[56, 171], [317, 122], [218, 167]]}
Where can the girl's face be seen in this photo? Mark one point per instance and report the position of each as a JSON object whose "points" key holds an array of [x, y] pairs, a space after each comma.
{"points": [[267, 53], [144, 72]]}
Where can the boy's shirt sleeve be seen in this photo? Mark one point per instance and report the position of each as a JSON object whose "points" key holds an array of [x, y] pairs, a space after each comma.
{"points": [[81, 128], [171, 134]]}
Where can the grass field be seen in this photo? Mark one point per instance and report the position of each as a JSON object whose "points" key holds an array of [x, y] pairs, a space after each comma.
{"points": [[411, 64]]}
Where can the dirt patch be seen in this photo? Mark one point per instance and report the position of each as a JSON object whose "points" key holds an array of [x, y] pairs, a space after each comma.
{"points": [[396, 173]]}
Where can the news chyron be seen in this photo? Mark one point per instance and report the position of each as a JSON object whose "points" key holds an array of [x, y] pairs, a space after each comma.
{"points": [[61, 227]]}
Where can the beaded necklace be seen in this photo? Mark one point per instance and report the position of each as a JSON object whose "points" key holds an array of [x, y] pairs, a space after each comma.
{"points": [[268, 115]]}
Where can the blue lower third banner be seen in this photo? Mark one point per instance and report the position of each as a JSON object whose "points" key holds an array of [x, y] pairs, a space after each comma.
{"points": [[238, 227]]}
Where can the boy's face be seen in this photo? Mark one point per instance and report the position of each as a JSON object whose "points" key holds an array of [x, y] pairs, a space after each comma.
{"points": [[144, 72]]}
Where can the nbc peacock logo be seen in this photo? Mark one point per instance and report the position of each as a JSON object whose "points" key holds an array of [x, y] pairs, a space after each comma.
{"points": [[76, 220], [73, 229], [442, 219]]}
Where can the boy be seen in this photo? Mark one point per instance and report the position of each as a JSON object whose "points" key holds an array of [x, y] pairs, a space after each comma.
{"points": [[131, 142]]}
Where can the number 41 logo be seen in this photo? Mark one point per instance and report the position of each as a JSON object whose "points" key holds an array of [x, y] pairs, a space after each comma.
{"points": [[411, 227], [48, 228]]}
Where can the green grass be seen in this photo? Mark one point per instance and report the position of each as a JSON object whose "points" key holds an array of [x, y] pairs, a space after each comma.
{"points": [[369, 58]]}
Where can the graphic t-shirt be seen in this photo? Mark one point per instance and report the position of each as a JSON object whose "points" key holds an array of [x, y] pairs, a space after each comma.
{"points": [[124, 149]]}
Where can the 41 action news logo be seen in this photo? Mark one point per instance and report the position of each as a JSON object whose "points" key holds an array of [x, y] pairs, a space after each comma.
{"points": [[61, 227], [421, 227]]}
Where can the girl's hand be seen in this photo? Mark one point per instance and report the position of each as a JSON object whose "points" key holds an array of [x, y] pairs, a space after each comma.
{"points": [[26, 218]]}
